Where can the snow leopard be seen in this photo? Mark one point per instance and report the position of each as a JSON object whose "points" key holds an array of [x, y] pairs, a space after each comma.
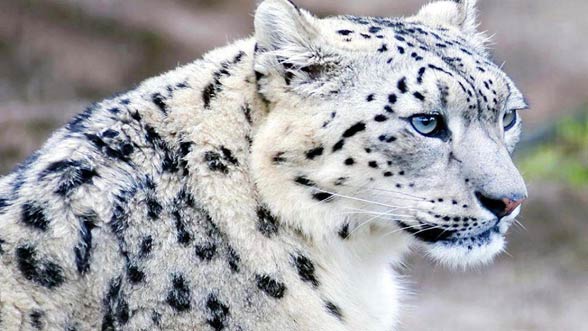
{"points": [[274, 184]]}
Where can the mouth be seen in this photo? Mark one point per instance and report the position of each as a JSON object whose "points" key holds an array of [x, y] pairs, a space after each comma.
{"points": [[434, 234], [461, 248]]}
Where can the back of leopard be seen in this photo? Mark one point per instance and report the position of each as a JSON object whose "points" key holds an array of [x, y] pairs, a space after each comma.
{"points": [[270, 185]]}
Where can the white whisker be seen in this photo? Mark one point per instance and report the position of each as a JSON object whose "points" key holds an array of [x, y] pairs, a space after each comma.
{"points": [[415, 198], [356, 199]]}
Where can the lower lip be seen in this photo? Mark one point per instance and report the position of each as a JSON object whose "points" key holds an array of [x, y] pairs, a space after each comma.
{"points": [[483, 237]]}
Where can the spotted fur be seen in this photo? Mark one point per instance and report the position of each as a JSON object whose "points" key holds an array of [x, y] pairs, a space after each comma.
{"points": [[271, 185]]}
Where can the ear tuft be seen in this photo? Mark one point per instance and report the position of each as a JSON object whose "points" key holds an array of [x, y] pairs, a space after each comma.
{"points": [[461, 14]]}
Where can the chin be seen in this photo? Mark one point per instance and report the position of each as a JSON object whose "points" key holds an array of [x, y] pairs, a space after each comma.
{"points": [[469, 252]]}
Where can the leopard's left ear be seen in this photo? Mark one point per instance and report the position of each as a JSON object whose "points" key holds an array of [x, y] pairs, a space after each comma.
{"points": [[461, 14]]}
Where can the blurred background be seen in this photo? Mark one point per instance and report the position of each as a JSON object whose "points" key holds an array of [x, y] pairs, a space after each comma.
{"points": [[58, 55]]}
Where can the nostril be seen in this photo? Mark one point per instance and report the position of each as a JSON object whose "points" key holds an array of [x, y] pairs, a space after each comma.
{"points": [[497, 207]]}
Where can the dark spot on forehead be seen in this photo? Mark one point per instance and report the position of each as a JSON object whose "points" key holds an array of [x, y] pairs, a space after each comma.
{"points": [[380, 118], [402, 85], [392, 98]]}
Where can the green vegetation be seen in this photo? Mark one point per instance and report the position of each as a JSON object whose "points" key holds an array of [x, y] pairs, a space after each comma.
{"points": [[562, 156]]}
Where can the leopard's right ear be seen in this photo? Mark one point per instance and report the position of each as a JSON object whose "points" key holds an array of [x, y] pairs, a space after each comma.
{"points": [[280, 24], [290, 54]]}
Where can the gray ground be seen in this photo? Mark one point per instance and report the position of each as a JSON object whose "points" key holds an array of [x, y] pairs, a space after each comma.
{"points": [[56, 54]]}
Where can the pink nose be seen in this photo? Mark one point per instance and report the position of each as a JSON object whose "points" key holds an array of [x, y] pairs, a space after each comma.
{"points": [[510, 205], [500, 207]]}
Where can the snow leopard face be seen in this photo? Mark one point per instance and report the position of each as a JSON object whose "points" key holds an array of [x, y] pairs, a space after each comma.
{"points": [[388, 127]]}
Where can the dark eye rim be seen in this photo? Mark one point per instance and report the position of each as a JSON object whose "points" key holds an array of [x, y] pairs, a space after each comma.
{"points": [[439, 132], [514, 120]]}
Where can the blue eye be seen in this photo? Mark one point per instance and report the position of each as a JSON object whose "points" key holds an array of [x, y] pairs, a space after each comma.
{"points": [[509, 120], [428, 125]]}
